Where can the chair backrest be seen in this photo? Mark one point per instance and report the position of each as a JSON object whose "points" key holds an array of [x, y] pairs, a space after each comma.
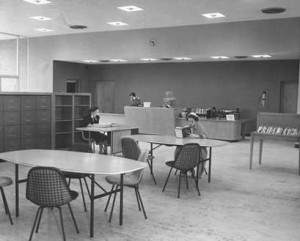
{"points": [[81, 147], [130, 148], [188, 156], [47, 187]]}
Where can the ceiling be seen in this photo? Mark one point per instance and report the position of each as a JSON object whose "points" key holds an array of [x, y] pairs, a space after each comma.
{"points": [[15, 14]]}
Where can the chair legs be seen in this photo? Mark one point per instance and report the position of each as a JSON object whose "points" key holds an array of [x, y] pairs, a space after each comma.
{"points": [[82, 193], [38, 217], [6, 205], [138, 198]]}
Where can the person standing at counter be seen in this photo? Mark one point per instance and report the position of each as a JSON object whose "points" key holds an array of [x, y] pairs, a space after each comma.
{"points": [[135, 100], [93, 118]]}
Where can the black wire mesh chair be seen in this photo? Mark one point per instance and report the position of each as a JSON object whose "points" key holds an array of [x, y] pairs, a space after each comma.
{"points": [[4, 182], [47, 188], [132, 180], [132, 150], [186, 159], [80, 147]]}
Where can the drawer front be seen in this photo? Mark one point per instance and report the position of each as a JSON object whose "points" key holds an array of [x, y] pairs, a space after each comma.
{"points": [[28, 131], [11, 118], [1, 138], [28, 102], [12, 132], [1, 103], [11, 102], [12, 145], [28, 143], [43, 116], [43, 143], [1, 118], [28, 117], [43, 102]]}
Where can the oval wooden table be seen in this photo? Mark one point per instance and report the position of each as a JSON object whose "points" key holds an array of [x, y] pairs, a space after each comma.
{"points": [[93, 164]]}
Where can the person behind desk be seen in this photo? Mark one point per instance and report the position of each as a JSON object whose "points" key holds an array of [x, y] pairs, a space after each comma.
{"points": [[93, 118], [135, 100]]}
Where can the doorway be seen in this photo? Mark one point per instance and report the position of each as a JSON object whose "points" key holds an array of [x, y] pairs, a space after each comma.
{"points": [[105, 92], [288, 97]]}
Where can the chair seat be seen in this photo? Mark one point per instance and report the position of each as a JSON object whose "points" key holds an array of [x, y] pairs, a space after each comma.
{"points": [[128, 180], [73, 194], [5, 181], [75, 175]]}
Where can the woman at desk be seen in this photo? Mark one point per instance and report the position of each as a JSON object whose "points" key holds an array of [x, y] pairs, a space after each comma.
{"points": [[93, 118]]}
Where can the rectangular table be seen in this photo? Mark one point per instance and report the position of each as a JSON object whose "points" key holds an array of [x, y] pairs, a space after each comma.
{"points": [[116, 132], [90, 163], [262, 136], [174, 141]]}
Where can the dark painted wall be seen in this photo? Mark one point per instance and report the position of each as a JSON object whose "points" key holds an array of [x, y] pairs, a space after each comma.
{"points": [[221, 84], [63, 71]]}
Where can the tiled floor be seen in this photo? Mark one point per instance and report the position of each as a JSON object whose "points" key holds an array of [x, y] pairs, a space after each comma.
{"points": [[238, 205]]}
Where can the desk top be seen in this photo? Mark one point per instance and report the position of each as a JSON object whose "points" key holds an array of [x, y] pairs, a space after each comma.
{"points": [[73, 161], [95, 128], [174, 141]]}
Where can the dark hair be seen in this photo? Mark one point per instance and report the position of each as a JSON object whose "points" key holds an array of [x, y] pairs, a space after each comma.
{"points": [[193, 116], [132, 94], [94, 108]]}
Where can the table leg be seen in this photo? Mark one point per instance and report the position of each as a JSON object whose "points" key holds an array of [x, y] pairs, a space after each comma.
{"points": [[121, 199], [17, 188], [92, 206], [209, 171], [260, 149], [251, 151]]}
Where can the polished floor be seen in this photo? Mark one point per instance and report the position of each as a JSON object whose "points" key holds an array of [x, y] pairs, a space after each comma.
{"points": [[239, 204]]}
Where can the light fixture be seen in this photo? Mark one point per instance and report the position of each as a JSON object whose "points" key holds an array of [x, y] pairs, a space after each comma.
{"points": [[117, 23], [261, 56], [273, 10], [219, 57], [166, 59], [43, 30], [41, 18], [182, 58], [118, 60], [38, 2], [213, 15], [130, 8], [148, 59], [90, 61]]}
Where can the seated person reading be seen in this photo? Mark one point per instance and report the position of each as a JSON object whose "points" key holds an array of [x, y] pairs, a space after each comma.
{"points": [[135, 100], [93, 118]]}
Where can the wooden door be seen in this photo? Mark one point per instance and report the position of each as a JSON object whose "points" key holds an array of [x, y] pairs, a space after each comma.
{"points": [[105, 96], [288, 96]]}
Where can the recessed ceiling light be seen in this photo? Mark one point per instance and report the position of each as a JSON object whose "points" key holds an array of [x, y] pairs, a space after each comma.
{"points": [[104, 60], [166, 59], [261, 56], [78, 26], [130, 8], [241, 57], [118, 60], [182, 58], [148, 59], [117, 23], [38, 2], [273, 10], [213, 15], [90, 61], [219, 57], [43, 30], [41, 18]]}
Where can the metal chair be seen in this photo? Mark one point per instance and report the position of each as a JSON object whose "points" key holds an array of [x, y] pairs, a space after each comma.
{"points": [[186, 159], [5, 181], [47, 188], [132, 180], [79, 147], [131, 150]]}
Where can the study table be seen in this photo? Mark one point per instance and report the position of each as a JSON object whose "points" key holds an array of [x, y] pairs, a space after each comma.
{"points": [[90, 163], [116, 132], [159, 140]]}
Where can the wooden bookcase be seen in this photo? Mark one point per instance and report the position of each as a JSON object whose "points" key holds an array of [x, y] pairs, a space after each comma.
{"points": [[68, 112]]}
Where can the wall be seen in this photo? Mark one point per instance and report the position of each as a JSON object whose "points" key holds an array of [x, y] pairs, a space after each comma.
{"points": [[220, 84], [63, 71]]}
